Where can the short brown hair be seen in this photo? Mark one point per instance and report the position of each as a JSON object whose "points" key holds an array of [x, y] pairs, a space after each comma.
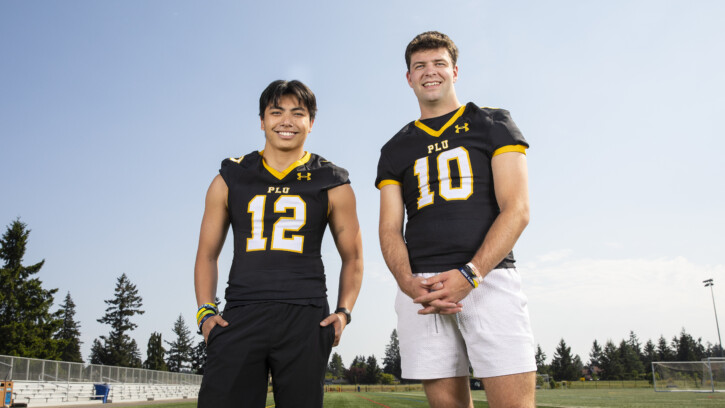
{"points": [[431, 40], [279, 88]]}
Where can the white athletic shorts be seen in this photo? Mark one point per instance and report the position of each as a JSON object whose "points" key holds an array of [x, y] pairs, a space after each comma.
{"points": [[492, 333]]}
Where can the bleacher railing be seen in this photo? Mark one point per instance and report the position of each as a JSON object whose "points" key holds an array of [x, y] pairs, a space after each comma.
{"points": [[31, 369]]}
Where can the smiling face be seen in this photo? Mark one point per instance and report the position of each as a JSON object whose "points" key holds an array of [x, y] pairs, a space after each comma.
{"points": [[431, 75], [286, 125]]}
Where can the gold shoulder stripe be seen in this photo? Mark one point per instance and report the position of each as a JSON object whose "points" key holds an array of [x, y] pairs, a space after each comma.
{"points": [[448, 124], [510, 148], [387, 182], [282, 174], [239, 160]]}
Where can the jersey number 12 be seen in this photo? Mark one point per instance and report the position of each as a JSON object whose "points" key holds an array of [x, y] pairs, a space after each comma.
{"points": [[294, 223]]}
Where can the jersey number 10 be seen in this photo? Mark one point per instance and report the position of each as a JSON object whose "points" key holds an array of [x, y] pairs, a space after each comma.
{"points": [[294, 223], [460, 156]]}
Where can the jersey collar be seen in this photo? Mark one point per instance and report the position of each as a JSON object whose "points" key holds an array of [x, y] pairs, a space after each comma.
{"points": [[282, 174], [448, 124]]}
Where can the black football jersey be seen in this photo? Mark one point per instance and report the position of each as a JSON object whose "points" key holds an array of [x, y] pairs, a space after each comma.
{"points": [[443, 166], [278, 219]]}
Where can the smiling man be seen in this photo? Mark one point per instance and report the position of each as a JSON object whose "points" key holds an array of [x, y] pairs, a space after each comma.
{"points": [[459, 172], [276, 321]]}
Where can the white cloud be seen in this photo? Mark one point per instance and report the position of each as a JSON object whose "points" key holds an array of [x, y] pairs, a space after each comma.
{"points": [[554, 256]]}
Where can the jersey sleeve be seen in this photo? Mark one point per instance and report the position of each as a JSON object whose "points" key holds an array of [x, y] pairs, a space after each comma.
{"points": [[504, 135], [386, 172], [332, 174], [227, 166], [339, 176]]}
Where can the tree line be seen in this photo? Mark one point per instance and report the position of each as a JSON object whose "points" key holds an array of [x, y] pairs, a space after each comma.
{"points": [[28, 327], [365, 370], [627, 360]]}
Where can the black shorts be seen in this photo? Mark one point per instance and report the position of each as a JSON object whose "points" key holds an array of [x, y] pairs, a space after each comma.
{"points": [[283, 339]]}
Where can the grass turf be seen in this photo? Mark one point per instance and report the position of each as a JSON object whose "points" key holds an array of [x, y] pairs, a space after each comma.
{"points": [[591, 398]]}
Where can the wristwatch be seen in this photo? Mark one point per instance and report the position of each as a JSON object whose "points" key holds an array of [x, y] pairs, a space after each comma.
{"points": [[346, 312]]}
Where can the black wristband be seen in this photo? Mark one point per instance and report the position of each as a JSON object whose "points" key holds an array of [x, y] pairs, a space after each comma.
{"points": [[469, 275]]}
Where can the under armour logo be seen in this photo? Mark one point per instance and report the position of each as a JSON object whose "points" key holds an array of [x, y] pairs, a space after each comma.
{"points": [[464, 128], [307, 176]]}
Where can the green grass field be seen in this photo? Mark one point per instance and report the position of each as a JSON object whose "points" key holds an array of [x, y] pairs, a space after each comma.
{"points": [[603, 398]]}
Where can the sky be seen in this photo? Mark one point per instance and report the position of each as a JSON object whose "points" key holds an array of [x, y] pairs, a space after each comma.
{"points": [[115, 117]]}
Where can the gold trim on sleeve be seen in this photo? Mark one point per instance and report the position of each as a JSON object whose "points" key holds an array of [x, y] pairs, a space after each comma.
{"points": [[510, 148], [387, 182]]}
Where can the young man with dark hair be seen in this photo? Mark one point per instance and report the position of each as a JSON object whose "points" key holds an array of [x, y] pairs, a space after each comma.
{"points": [[278, 202], [460, 174]]}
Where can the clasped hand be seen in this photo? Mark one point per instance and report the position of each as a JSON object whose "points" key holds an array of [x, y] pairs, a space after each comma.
{"points": [[441, 293]]}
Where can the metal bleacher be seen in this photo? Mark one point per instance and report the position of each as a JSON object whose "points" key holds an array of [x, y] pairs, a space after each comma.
{"points": [[57, 383], [49, 393]]}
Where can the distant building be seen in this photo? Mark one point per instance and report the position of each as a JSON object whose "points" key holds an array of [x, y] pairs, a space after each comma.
{"points": [[591, 373]]}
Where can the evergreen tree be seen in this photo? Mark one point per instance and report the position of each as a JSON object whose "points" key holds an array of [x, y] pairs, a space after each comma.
{"points": [[686, 348], [675, 347], [155, 354], [595, 355], [198, 357], [611, 363], [391, 362], [634, 345], [356, 373], [649, 355], [578, 366], [118, 348], [69, 334], [179, 358], [541, 366], [372, 371], [26, 323], [699, 349], [336, 367], [664, 353], [714, 350], [358, 361], [562, 364], [631, 364], [99, 353]]}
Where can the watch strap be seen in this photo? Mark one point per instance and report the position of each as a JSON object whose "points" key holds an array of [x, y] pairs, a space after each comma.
{"points": [[346, 312]]}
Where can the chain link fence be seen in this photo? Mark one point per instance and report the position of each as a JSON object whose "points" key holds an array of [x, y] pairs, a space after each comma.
{"points": [[31, 369]]}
